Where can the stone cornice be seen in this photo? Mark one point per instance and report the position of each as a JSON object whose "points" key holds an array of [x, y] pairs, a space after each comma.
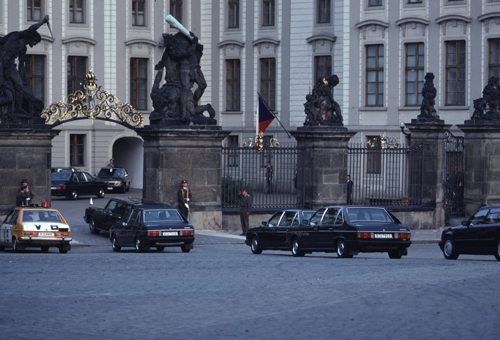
{"points": [[78, 39], [141, 41]]}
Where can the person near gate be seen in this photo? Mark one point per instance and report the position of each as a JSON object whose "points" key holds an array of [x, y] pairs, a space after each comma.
{"points": [[184, 197], [269, 177], [111, 163], [245, 208], [349, 190]]}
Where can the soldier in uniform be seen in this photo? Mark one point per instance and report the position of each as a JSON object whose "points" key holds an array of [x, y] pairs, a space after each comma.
{"points": [[184, 196], [245, 208]]}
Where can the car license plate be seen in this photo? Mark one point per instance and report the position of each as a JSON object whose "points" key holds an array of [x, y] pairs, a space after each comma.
{"points": [[53, 188], [45, 234], [170, 233], [110, 188], [383, 235]]}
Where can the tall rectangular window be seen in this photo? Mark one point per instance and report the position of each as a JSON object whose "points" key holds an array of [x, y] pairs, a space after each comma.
{"points": [[494, 58], [34, 10], [139, 83], [375, 75], [455, 72], [372, 3], [76, 11], [176, 9], [322, 67], [268, 12], [233, 14], [76, 150], [374, 155], [414, 73], [35, 73], [415, 1], [233, 85], [233, 155], [76, 69], [324, 11], [268, 81], [138, 12]]}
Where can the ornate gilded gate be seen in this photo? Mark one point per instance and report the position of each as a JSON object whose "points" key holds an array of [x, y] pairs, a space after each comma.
{"points": [[454, 175]]}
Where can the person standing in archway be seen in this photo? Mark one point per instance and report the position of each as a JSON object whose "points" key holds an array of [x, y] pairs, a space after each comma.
{"points": [[111, 163], [184, 197]]}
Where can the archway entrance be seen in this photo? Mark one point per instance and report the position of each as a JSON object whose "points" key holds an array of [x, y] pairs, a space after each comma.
{"points": [[128, 152]]}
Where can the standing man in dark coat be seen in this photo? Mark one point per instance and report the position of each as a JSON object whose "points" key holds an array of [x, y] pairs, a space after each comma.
{"points": [[349, 190], [245, 208], [184, 196], [269, 177]]}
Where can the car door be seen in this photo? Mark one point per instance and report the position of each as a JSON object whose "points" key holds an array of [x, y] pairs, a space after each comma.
{"points": [[309, 234], [287, 221], [115, 215], [487, 232], [129, 227], [267, 235], [323, 238], [83, 185], [6, 229], [467, 239], [93, 187]]}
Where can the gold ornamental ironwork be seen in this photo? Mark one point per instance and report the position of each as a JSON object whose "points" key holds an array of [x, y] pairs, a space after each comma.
{"points": [[260, 142], [383, 142], [92, 103]]}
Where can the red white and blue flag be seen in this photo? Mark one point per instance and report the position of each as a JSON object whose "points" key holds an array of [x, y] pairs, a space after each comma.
{"points": [[265, 116]]}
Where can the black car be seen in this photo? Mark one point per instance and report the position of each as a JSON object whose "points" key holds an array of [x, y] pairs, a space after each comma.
{"points": [[479, 235], [349, 230], [114, 211], [75, 184], [64, 169], [146, 228], [116, 179], [272, 234]]}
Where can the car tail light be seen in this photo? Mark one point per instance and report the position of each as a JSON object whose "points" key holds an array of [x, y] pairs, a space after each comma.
{"points": [[29, 233], [364, 235], [61, 188], [187, 233], [62, 234], [404, 236], [153, 233]]}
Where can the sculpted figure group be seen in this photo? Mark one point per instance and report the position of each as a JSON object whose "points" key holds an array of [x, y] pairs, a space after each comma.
{"points": [[320, 108]]}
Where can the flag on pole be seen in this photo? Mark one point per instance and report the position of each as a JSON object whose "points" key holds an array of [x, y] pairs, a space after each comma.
{"points": [[265, 116], [91, 202]]}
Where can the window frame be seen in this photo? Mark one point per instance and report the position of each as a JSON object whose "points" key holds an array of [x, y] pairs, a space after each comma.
{"points": [[135, 78], [269, 14], [491, 64], [30, 10], [328, 59], [73, 12], [233, 14], [416, 69], [74, 143], [457, 67], [31, 76], [136, 13], [74, 78], [176, 9], [324, 7], [233, 155], [375, 3], [377, 69], [233, 82], [270, 80], [374, 155]]}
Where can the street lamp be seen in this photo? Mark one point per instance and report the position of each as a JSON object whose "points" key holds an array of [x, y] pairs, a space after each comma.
{"points": [[403, 126]]}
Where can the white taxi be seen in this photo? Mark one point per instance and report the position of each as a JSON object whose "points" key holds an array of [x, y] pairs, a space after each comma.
{"points": [[35, 227]]}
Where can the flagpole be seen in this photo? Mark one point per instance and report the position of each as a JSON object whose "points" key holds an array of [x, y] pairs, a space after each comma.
{"points": [[288, 133]]}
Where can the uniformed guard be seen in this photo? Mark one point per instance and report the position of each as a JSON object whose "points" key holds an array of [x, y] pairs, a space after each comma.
{"points": [[184, 197]]}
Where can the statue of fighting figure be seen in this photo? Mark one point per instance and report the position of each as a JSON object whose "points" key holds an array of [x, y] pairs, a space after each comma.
{"points": [[320, 108], [175, 102], [429, 93], [490, 100], [17, 101]]}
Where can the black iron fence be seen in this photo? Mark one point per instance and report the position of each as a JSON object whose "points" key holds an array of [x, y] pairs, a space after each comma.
{"points": [[386, 173], [269, 174]]}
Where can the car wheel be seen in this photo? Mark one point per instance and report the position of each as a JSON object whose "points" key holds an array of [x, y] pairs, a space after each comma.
{"points": [[2, 248], [185, 249], [128, 187], [255, 246], [124, 188], [45, 249], [101, 193], [160, 248], [449, 251], [395, 254], [92, 227], [138, 245], [62, 250], [73, 195], [114, 245], [343, 249], [497, 252], [15, 245], [296, 251]]}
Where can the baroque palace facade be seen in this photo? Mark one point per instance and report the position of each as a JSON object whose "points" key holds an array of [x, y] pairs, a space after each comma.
{"points": [[380, 50]]}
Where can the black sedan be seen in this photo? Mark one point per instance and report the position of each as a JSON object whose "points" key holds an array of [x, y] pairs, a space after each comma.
{"points": [[116, 179], [75, 184], [349, 230], [272, 234], [146, 228], [479, 235]]}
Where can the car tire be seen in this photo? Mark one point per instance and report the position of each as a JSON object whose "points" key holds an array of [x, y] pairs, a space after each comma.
{"points": [[114, 244], [15, 245], [296, 251], [138, 245], [128, 187], [395, 254], [449, 250], [343, 249], [160, 248], [101, 193], [45, 249], [73, 195], [62, 250], [497, 251], [92, 227], [185, 249], [256, 249], [2, 248]]}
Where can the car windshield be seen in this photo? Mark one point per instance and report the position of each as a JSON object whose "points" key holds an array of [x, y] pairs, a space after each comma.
{"points": [[307, 214], [41, 216], [61, 176], [164, 215], [111, 172], [368, 214]]}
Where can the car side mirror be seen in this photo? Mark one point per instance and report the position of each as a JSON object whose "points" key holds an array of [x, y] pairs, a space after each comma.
{"points": [[264, 223]]}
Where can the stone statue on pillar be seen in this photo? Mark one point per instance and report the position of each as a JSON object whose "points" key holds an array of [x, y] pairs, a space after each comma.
{"points": [[320, 107], [427, 110], [490, 100]]}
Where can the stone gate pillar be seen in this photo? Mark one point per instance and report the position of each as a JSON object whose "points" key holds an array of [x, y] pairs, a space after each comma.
{"points": [[432, 133], [25, 153], [195, 155], [325, 164], [482, 164]]}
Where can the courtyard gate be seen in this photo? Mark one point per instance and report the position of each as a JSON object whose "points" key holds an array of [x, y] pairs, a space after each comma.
{"points": [[454, 175], [386, 173]]}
